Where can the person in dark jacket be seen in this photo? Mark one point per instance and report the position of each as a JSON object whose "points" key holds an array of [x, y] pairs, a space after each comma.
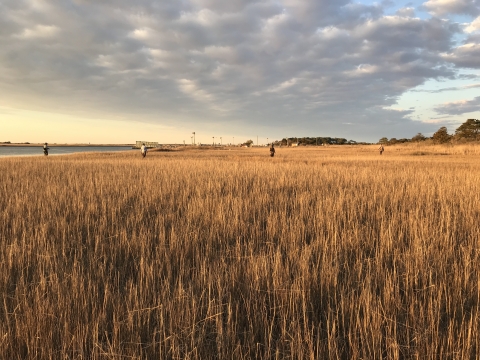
{"points": [[272, 151]]}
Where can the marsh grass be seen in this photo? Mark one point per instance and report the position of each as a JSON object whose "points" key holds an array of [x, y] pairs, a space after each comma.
{"points": [[423, 153], [316, 253], [469, 149]]}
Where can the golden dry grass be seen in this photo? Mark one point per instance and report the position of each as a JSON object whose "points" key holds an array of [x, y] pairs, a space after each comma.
{"points": [[331, 252]]}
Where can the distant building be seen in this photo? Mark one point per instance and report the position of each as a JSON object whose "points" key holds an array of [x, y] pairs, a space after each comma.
{"points": [[148, 144]]}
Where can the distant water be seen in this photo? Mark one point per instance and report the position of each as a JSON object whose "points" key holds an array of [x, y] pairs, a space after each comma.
{"points": [[56, 150]]}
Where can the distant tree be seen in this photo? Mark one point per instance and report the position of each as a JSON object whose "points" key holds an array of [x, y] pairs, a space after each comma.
{"points": [[470, 129], [249, 143], [441, 136], [383, 140], [419, 137], [392, 141]]}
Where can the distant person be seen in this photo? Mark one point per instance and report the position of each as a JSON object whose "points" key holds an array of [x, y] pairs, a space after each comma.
{"points": [[45, 149], [381, 149], [272, 151], [144, 150]]}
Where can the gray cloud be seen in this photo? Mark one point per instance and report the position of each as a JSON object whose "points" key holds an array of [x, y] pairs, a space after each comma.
{"points": [[468, 76], [459, 107], [467, 55], [444, 7], [284, 65], [406, 12], [453, 88]]}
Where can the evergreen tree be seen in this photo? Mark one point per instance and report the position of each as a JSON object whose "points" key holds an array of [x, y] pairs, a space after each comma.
{"points": [[470, 129], [419, 137], [441, 136]]}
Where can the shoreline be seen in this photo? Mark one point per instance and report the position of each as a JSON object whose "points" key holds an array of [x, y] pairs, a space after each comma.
{"points": [[16, 150], [63, 145]]}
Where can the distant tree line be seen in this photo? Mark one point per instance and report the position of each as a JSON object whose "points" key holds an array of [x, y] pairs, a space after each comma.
{"points": [[9, 142], [309, 141], [304, 141], [468, 131]]}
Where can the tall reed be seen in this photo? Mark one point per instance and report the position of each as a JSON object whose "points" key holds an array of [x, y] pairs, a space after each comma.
{"points": [[316, 253]]}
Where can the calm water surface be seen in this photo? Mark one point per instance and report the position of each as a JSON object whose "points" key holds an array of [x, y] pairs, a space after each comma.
{"points": [[56, 150]]}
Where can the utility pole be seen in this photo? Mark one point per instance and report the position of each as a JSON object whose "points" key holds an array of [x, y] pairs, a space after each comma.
{"points": [[193, 137], [213, 142], [221, 141], [267, 141], [184, 143]]}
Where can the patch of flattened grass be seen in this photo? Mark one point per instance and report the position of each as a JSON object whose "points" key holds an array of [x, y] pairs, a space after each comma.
{"points": [[422, 153]]}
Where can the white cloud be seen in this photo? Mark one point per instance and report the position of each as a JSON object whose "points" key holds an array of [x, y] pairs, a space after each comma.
{"points": [[141, 34], [283, 86], [444, 7], [406, 12], [189, 88], [473, 26], [38, 31]]}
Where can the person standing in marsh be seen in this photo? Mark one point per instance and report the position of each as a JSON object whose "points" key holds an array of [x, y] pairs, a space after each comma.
{"points": [[381, 149], [144, 150], [45, 149], [272, 151]]}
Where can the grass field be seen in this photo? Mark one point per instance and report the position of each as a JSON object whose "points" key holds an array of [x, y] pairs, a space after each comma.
{"points": [[319, 253]]}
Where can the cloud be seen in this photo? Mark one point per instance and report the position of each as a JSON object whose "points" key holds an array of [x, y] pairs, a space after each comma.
{"points": [[459, 107], [468, 76], [38, 31], [283, 64], [465, 56], [473, 26], [406, 12], [221, 6], [444, 7], [448, 89]]}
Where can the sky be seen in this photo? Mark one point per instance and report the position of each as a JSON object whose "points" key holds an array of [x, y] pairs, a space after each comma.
{"points": [[118, 71]]}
